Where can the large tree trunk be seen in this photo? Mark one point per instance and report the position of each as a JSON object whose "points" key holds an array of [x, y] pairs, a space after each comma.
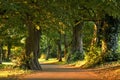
{"points": [[98, 33], [77, 43], [59, 48], [32, 48], [95, 38], [109, 37]]}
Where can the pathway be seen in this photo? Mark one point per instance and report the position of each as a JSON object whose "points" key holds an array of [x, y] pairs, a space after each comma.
{"points": [[61, 72]]}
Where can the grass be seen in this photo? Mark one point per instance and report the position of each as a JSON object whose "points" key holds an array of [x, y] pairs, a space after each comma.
{"points": [[100, 66], [51, 61], [7, 73], [6, 70]]}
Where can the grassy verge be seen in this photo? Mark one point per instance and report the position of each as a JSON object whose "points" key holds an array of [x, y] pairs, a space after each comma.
{"points": [[100, 66], [51, 61], [7, 69], [108, 65]]}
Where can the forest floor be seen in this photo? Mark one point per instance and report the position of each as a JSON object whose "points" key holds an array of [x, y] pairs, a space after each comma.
{"points": [[53, 71]]}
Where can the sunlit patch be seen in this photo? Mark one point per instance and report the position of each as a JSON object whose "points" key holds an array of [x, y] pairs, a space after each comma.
{"points": [[80, 63], [37, 27], [51, 60], [8, 73], [7, 63]]}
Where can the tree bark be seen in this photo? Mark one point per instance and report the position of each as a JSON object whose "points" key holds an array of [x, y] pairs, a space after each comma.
{"points": [[59, 48], [109, 36], [9, 50], [77, 43], [32, 48], [94, 40], [65, 46], [1, 52]]}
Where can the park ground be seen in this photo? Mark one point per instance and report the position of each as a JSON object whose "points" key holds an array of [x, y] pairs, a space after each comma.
{"points": [[60, 71]]}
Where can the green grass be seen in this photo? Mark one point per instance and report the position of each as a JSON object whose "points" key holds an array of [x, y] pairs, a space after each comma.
{"points": [[7, 69], [51, 61], [103, 65], [15, 72]]}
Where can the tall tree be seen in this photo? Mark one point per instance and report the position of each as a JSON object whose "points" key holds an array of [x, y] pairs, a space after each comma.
{"points": [[32, 47], [77, 42], [110, 30]]}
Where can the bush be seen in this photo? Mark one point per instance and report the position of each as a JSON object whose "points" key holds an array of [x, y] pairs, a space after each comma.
{"points": [[92, 57], [77, 56], [112, 57]]}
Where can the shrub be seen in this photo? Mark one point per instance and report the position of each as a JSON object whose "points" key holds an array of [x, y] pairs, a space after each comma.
{"points": [[112, 56], [77, 56], [92, 57]]}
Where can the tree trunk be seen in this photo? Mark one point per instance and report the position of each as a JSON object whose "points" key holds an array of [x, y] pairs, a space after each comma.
{"points": [[65, 46], [59, 49], [109, 37], [48, 49], [48, 53], [77, 43], [94, 40], [9, 51], [98, 34], [32, 48], [1, 52]]}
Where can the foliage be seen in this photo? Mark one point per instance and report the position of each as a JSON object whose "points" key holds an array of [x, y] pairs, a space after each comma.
{"points": [[92, 57], [8, 70], [6, 67], [112, 57], [88, 30], [53, 17], [77, 56]]}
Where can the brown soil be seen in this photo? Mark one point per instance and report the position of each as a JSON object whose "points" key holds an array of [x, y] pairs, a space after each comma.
{"points": [[66, 72]]}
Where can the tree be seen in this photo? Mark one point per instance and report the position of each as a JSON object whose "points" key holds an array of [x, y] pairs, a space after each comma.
{"points": [[110, 30], [77, 43], [32, 47]]}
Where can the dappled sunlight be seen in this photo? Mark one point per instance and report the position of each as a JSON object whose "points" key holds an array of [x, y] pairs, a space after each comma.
{"points": [[49, 61], [73, 36], [80, 63], [11, 72], [8, 63], [7, 69]]}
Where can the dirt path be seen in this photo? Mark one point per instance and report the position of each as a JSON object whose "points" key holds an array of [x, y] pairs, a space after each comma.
{"points": [[61, 72]]}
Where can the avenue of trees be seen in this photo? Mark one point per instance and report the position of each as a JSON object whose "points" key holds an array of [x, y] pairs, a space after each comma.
{"points": [[73, 29]]}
